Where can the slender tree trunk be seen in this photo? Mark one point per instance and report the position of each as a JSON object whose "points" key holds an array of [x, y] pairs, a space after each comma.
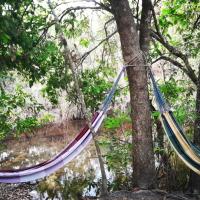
{"points": [[194, 182], [159, 130], [145, 24], [69, 62], [143, 157]]}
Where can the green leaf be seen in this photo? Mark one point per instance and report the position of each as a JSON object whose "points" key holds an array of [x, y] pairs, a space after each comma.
{"points": [[84, 42], [5, 38]]}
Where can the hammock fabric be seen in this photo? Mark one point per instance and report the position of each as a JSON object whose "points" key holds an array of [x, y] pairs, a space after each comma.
{"points": [[68, 153], [185, 149]]}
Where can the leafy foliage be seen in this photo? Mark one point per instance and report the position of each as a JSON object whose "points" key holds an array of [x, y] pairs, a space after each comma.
{"points": [[178, 23], [118, 149], [19, 35], [13, 105], [181, 98], [27, 124], [94, 87]]}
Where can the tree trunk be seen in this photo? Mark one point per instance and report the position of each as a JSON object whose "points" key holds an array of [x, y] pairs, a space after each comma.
{"points": [[69, 62], [159, 129], [194, 182], [143, 157], [145, 24]]}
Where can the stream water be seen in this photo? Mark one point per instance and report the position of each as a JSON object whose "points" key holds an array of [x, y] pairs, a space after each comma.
{"points": [[77, 178]]}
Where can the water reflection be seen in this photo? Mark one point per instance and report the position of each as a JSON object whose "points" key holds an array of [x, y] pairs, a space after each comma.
{"points": [[79, 178]]}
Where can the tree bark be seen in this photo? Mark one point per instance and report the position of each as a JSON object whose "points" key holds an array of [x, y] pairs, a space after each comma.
{"points": [[194, 182], [145, 24], [143, 156], [159, 129]]}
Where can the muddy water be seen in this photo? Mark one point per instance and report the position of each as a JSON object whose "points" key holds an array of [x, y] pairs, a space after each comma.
{"points": [[79, 177]]}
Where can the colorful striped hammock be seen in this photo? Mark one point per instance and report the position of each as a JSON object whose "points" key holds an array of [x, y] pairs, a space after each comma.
{"points": [[185, 149], [68, 153]]}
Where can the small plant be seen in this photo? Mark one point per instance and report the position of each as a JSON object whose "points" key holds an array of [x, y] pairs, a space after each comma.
{"points": [[18, 112], [116, 143], [26, 125], [46, 118]]}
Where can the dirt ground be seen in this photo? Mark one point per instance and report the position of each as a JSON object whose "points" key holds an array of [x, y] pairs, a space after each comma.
{"points": [[22, 192], [149, 195]]}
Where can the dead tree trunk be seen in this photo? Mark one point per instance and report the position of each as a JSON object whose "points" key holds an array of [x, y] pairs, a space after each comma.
{"points": [[69, 62], [143, 156]]}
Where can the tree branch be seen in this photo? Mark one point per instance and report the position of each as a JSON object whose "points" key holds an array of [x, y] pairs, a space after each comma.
{"points": [[174, 62], [85, 55], [156, 22], [102, 5], [196, 23], [44, 33], [160, 38], [105, 25], [68, 10], [177, 64]]}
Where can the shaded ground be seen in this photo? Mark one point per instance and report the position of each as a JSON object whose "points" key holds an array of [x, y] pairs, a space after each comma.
{"points": [[22, 192], [148, 195], [16, 191]]}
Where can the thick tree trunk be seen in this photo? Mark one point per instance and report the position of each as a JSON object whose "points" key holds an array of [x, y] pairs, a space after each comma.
{"points": [[143, 157], [194, 183]]}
